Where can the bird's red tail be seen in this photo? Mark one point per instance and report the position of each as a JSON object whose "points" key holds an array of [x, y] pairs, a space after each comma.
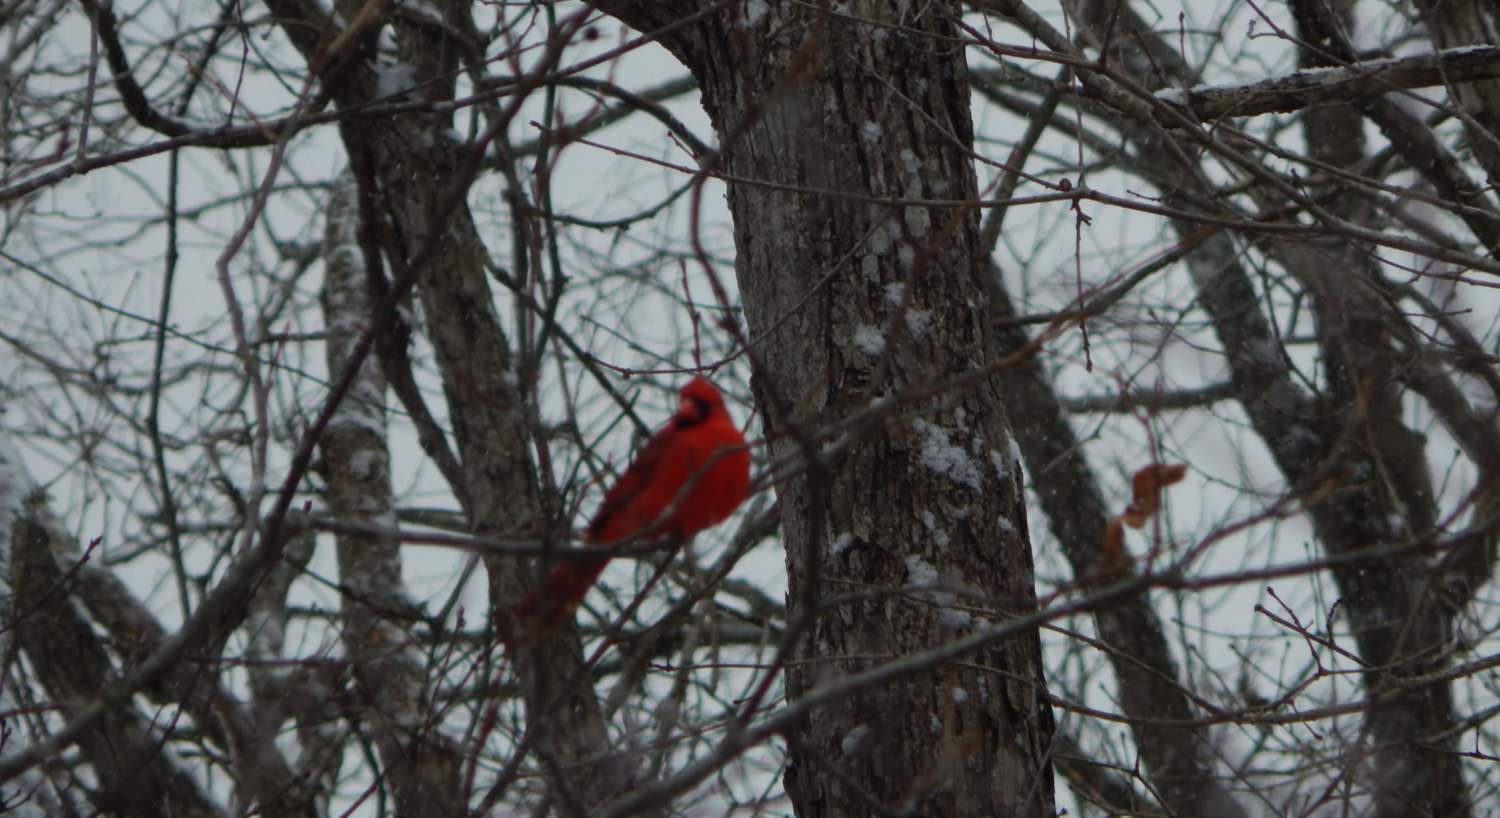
{"points": [[541, 610]]}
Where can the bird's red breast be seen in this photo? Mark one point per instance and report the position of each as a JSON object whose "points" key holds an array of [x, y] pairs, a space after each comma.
{"points": [[692, 474]]}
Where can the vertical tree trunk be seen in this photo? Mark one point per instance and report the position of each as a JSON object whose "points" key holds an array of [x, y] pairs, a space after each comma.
{"points": [[406, 171], [830, 116], [420, 762], [1399, 624]]}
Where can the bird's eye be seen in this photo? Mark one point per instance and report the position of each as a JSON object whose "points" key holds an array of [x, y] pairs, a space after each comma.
{"points": [[691, 410]]}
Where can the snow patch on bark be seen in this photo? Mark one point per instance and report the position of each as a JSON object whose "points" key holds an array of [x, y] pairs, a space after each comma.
{"points": [[998, 463], [923, 575], [939, 536], [869, 340], [394, 79], [939, 453], [954, 618], [920, 573], [854, 739], [364, 407], [367, 464], [1173, 96], [839, 544], [879, 243], [755, 11], [919, 322]]}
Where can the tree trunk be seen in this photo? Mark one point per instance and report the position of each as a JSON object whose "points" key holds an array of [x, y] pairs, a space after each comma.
{"points": [[422, 765], [858, 300]]}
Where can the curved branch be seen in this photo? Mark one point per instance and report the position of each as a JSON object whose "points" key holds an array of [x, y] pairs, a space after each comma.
{"points": [[134, 98], [647, 102]]}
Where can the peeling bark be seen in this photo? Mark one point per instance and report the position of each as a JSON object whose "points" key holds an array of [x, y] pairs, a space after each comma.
{"points": [[420, 762]]}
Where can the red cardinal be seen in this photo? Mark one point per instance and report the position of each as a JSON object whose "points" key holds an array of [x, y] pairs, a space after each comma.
{"points": [[697, 466]]}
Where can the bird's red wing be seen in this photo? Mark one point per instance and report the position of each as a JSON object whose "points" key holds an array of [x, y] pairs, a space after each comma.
{"points": [[700, 444], [629, 505], [608, 523]]}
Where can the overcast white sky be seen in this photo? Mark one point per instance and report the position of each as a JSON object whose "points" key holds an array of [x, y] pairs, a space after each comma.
{"points": [[120, 210]]}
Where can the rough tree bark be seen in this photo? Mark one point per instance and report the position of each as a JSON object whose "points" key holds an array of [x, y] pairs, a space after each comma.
{"points": [[822, 120], [137, 780], [72, 665], [30, 795]]}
